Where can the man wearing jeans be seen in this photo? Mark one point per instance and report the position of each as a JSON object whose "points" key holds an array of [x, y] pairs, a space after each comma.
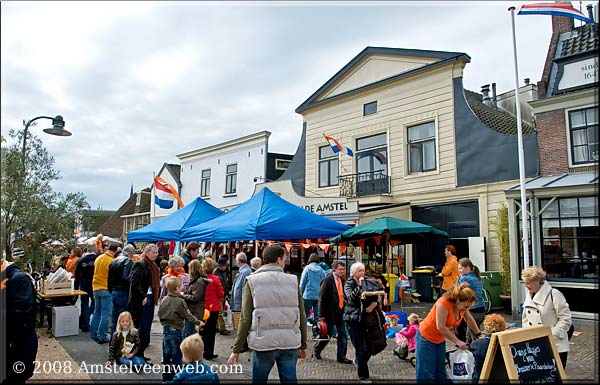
{"points": [[272, 319], [118, 284], [102, 297]]}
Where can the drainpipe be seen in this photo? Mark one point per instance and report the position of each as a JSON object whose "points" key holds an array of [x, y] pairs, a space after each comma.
{"points": [[494, 98], [534, 241]]}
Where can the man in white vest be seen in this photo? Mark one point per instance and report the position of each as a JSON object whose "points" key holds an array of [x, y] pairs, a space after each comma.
{"points": [[273, 320]]}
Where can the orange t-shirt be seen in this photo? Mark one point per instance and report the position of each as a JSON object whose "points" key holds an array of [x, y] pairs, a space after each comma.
{"points": [[428, 328], [71, 263], [450, 273]]}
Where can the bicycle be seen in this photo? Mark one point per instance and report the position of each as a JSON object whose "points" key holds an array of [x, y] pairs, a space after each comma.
{"points": [[487, 299]]}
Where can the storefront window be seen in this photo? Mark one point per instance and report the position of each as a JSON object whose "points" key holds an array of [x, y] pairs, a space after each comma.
{"points": [[570, 243]]}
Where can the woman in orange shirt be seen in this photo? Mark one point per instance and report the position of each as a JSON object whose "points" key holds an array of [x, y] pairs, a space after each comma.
{"points": [[450, 269], [72, 259], [447, 313]]}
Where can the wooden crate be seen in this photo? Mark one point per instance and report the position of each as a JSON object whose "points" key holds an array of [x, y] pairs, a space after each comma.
{"points": [[58, 288]]}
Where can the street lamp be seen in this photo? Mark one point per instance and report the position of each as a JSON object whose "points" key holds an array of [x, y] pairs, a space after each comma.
{"points": [[58, 129]]}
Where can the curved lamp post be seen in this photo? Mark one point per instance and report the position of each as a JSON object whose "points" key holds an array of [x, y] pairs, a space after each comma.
{"points": [[58, 129]]}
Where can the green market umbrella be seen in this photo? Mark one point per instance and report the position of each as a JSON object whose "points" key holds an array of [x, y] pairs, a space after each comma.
{"points": [[393, 229]]}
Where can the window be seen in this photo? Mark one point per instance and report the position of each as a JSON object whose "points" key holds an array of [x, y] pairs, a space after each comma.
{"points": [[421, 148], [205, 183], [281, 164], [328, 167], [570, 243], [371, 164], [370, 108], [583, 130], [231, 179]]}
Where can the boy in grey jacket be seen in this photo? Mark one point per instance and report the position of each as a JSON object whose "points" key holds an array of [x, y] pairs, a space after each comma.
{"points": [[172, 312]]}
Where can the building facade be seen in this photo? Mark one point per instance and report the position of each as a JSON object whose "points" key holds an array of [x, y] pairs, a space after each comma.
{"points": [[563, 200], [424, 148]]}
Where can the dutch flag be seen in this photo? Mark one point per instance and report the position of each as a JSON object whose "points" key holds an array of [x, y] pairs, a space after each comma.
{"points": [[165, 194], [337, 146], [553, 9]]}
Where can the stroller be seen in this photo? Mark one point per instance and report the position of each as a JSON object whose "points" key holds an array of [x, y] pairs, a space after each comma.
{"points": [[402, 351]]}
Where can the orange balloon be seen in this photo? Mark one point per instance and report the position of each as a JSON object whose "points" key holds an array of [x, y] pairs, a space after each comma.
{"points": [[206, 314]]}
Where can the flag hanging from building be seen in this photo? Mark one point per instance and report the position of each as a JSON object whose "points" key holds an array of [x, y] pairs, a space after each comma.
{"points": [[553, 9], [336, 146], [165, 194]]}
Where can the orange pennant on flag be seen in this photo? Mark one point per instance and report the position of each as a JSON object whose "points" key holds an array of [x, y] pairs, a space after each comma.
{"points": [[361, 243], [343, 248], [378, 240]]}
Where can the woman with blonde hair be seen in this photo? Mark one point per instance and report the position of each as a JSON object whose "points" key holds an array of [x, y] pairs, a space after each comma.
{"points": [[195, 294], [440, 325], [545, 305], [125, 343]]}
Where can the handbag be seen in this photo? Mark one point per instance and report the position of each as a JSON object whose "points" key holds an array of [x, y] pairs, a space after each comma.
{"points": [[462, 363]]}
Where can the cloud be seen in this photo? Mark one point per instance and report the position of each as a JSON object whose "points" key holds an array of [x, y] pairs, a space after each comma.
{"points": [[139, 82]]}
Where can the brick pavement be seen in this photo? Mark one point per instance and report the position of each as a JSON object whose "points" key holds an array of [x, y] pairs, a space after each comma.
{"points": [[582, 364]]}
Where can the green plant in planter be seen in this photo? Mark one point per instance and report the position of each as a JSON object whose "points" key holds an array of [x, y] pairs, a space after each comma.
{"points": [[500, 224]]}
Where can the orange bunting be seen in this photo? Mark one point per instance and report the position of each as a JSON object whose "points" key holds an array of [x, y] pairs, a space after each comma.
{"points": [[324, 246], [361, 243], [288, 246], [306, 245], [395, 243], [378, 240], [343, 248]]}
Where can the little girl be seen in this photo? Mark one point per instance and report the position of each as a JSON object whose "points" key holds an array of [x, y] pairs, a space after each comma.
{"points": [[125, 343], [406, 338]]}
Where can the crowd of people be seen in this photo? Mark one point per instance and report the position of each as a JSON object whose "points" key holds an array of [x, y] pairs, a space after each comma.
{"points": [[270, 309]]}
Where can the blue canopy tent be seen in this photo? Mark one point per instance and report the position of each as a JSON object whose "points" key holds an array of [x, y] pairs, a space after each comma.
{"points": [[265, 216], [169, 228]]}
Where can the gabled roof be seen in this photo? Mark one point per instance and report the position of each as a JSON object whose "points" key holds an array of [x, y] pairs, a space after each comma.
{"points": [[583, 39], [443, 57], [175, 171], [113, 227], [496, 119]]}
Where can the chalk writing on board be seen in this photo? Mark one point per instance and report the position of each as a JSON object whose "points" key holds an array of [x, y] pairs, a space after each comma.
{"points": [[532, 361]]}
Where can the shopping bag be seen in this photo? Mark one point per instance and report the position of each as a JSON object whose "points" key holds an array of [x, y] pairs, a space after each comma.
{"points": [[462, 363], [228, 316]]}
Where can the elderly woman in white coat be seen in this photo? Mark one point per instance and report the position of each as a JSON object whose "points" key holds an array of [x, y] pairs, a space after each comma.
{"points": [[546, 306]]}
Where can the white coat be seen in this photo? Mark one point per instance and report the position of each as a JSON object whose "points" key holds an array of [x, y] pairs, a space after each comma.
{"points": [[551, 310]]}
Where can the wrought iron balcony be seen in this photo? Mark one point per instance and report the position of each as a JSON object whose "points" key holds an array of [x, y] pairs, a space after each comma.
{"points": [[364, 183]]}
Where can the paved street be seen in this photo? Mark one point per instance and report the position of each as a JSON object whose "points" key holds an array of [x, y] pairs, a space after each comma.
{"points": [[582, 364]]}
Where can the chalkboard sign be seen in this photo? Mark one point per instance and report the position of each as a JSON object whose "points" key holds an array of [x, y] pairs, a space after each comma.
{"points": [[526, 355]]}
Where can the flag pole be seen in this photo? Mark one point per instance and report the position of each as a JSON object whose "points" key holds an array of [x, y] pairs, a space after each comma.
{"points": [[152, 198], [524, 213]]}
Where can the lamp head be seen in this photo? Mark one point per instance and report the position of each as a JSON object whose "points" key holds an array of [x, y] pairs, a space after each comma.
{"points": [[58, 127]]}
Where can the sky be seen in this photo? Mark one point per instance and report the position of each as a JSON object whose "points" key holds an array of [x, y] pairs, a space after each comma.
{"points": [[139, 82]]}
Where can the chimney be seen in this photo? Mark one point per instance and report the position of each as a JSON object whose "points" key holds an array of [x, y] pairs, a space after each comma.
{"points": [[590, 9], [527, 81], [494, 98], [562, 24], [485, 90]]}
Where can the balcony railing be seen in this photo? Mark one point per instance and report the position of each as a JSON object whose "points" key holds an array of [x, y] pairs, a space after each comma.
{"points": [[364, 183]]}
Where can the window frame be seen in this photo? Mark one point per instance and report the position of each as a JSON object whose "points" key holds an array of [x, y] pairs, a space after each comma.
{"points": [[369, 105], [329, 160], [231, 179], [376, 148], [421, 142], [570, 131], [205, 183]]}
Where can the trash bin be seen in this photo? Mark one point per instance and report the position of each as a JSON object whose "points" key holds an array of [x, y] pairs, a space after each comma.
{"points": [[391, 279], [424, 283], [492, 282]]}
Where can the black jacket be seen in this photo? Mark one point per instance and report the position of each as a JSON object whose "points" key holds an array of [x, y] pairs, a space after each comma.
{"points": [[140, 282], [224, 277], [352, 308], [19, 311], [84, 272], [119, 273], [187, 258], [328, 300]]}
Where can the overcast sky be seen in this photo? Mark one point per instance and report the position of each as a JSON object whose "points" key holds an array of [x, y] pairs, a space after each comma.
{"points": [[138, 83]]}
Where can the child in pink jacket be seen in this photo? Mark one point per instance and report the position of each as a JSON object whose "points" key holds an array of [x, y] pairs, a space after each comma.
{"points": [[406, 338]]}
